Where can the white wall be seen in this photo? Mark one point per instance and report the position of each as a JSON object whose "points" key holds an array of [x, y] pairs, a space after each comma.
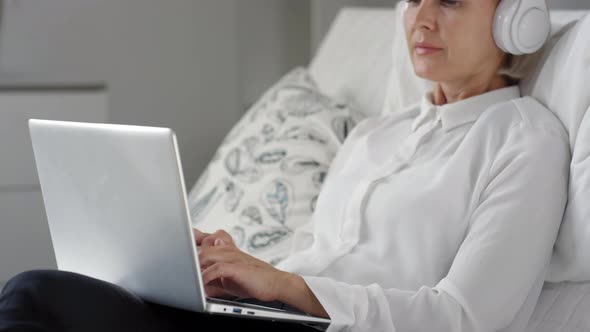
{"points": [[167, 63], [273, 37], [186, 64]]}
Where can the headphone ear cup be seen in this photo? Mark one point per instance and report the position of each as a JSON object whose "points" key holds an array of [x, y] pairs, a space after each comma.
{"points": [[503, 25], [521, 26], [533, 26]]}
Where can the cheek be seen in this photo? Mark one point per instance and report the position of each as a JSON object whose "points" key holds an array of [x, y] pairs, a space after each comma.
{"points": [[470, 45], [408, 20], [408, 28]]}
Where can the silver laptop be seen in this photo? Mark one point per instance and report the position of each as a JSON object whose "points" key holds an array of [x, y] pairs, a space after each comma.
{"points": [[117, 210]]}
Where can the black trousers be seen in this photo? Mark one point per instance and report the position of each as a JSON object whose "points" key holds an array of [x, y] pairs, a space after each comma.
{"points": [[51, 301]]}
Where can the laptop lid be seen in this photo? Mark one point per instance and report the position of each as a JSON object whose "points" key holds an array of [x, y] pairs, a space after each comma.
{"points": [[113, 189]]}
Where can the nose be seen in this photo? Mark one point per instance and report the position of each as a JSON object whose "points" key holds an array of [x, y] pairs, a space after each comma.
{"points": [[425, 15]]}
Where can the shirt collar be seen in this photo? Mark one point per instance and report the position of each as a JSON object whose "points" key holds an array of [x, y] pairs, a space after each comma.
{"points": [[464, 111]]}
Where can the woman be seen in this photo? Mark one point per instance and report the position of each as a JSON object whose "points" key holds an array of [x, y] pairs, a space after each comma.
{"points": [[438, 218]]}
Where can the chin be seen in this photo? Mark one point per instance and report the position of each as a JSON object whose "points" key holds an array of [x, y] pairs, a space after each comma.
{"points": [[427, 71], [427, 74]]}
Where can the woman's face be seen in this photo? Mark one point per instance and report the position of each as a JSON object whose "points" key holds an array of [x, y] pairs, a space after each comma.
{"points": [[452, 40]]}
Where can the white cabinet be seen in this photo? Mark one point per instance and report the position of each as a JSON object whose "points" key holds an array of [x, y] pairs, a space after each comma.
{"points": [[25, 242]]}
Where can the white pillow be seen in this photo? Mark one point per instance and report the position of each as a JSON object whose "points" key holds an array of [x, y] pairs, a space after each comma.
{"points": [[562, 307], [265, 178], [560, 81]]}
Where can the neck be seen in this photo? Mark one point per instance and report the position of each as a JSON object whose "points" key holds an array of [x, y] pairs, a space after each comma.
{"points": [[450, 92]]}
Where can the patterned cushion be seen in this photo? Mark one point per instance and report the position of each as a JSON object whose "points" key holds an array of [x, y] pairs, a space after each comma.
{"points": [[265, 178]]}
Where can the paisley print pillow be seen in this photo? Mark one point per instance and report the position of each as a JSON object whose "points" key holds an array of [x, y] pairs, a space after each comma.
{"points": [[265, 178]]}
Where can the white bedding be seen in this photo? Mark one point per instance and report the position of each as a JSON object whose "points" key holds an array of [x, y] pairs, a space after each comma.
{"points": [[562, 307]]}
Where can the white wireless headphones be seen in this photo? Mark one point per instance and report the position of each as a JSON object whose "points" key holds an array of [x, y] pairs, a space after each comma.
{"points": [[521, 26]]}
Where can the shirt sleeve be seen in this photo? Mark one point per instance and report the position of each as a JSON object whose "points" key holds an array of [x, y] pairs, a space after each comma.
{"points": [[506, 249]]}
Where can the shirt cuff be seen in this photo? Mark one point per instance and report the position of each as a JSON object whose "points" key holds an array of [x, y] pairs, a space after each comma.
{"points": [[331, 298], [352, 307]]}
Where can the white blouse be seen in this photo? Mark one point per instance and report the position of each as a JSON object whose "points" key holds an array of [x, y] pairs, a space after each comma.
{"points": [[439, 218]]}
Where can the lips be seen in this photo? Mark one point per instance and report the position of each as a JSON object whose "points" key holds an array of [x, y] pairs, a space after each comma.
{"points": [[426, 49]]}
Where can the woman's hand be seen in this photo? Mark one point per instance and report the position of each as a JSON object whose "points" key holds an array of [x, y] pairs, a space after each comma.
{"points": [[229, 271], [220, 237]]}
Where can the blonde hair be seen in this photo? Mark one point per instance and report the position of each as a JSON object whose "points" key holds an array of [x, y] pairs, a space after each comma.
{"points": [[517, 67]]}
